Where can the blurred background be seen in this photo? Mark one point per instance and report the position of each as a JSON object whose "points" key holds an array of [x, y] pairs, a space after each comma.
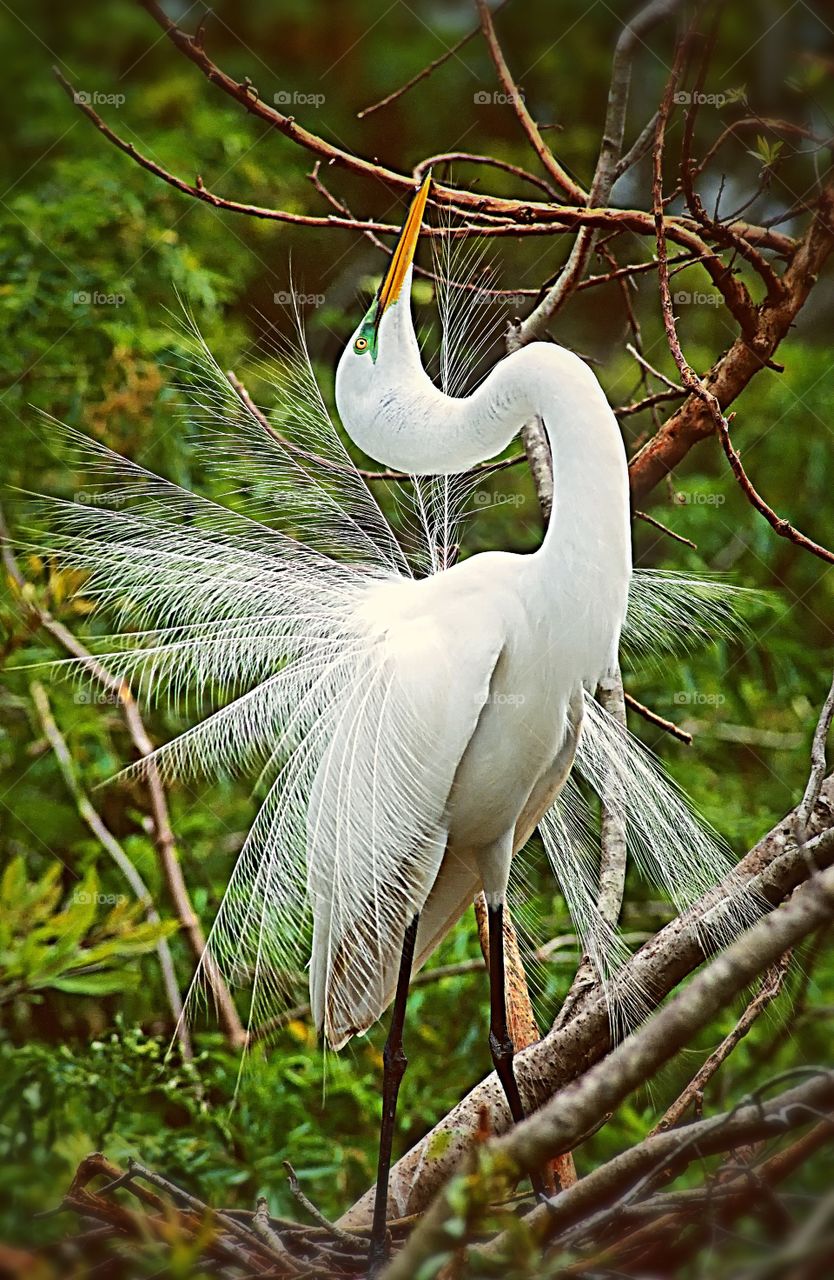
{"points": [[97, 257]]}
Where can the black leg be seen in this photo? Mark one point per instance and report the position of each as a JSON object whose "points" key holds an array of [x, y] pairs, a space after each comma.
{"points": [[500, 1043], [395, 1063]]}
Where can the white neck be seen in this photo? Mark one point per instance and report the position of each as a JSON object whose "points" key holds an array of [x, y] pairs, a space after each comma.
{"points": [[394, 412]]}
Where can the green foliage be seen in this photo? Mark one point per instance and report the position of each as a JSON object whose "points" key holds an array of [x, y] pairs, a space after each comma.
{"points": [[95, 252], [45, 945]]}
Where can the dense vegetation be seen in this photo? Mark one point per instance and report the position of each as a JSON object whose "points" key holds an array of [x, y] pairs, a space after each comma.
{"points": [[96, 254]]}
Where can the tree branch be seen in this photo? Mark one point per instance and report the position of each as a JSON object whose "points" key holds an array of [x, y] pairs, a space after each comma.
{"points": [[605, 172], [560, 176], [90, 816], [769, 989], [769, 872], [700, 389], [817, 773], [563, 1120], [693, 421]]}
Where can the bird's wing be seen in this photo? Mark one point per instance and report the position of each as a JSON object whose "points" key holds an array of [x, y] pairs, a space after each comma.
{"points": [[377, 817], [459, 880]]}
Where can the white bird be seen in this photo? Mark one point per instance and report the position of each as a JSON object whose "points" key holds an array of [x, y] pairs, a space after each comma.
{"points": [[412, 731]]}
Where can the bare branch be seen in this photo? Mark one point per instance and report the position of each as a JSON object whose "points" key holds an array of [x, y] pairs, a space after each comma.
{"points": [[661, 377], [573, 1112], [719, 231], [693, 421], [426, 71], [769, 989], [690, 378], [549, 162], [660, 722], [606, 1186], [769, 872], [644, 515], [90, 816], [605, 173], [468, 157]]}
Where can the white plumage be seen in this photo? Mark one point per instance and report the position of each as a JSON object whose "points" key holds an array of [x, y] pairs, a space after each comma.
{"points": [[410, 731]]}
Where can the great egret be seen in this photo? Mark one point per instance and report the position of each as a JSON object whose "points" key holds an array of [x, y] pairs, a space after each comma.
{"points": [[491, 656], [412, 731]]}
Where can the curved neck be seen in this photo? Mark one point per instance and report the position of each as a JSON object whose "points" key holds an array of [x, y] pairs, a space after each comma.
{"points": [[406, 422]]}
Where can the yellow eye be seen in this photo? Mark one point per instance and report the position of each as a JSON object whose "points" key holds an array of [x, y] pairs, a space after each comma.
{"points": [[361, 344]]}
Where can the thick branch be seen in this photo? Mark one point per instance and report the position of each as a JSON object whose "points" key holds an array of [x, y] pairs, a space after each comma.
{"points": [[772, 869], [574, 1111], [606, 1185]]}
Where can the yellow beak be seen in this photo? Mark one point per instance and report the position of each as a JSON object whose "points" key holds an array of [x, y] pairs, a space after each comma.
{"points": [[403, 255]]}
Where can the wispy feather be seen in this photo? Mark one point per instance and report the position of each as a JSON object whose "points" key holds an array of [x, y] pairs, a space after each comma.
{"points": [[267, 607]]}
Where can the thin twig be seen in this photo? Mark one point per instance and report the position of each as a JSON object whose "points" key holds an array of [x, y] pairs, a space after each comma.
{"points": [[660, 722], [769, 989], [656, 373], [720, 231], [163, 833], [426, 71], [690, 378], [605, 172], [644, 515], [90, 816], [276, 1250], [514, 95], [344, 1237], [468, 157]]}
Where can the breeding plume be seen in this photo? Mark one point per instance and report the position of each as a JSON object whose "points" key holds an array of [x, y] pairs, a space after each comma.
{"points": [[413, 723]]}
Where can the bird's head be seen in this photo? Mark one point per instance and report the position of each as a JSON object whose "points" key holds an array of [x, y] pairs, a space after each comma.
{"points": [[383, 350]]}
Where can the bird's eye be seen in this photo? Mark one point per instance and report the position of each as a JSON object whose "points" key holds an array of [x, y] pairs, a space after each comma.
{"points": [[361, 344]]}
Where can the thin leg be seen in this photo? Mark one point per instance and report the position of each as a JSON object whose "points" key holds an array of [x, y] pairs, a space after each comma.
{"points": [[500, 1043], [395, 1063]]}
